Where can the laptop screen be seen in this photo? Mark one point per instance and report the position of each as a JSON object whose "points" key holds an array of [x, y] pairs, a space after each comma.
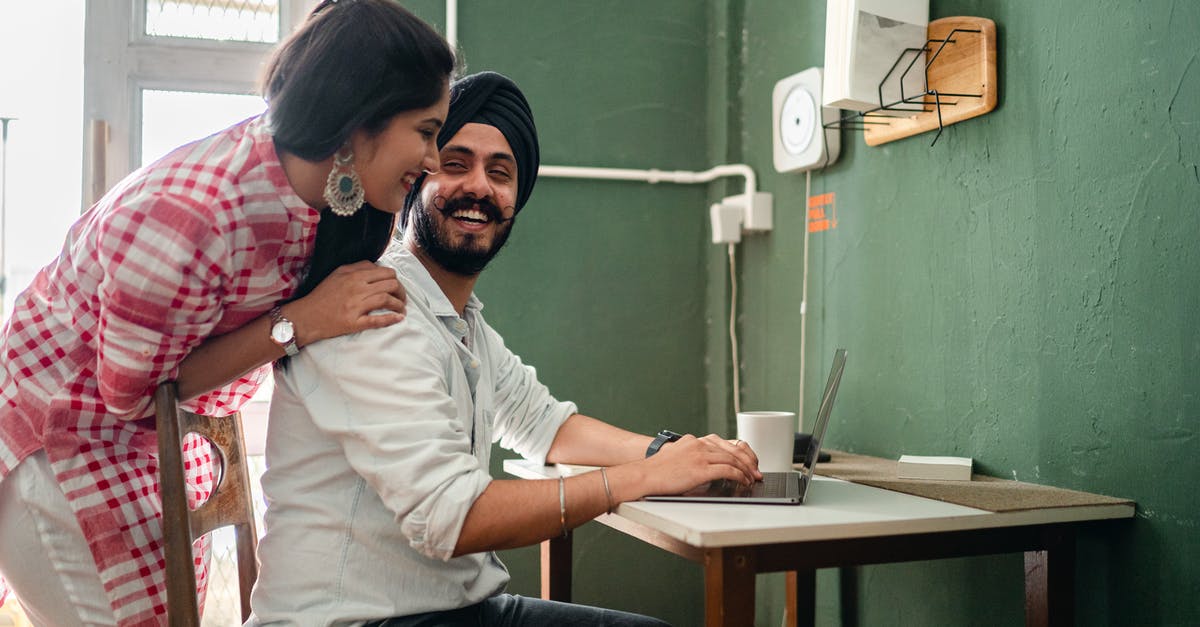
{"points": [[818, 434], [787, 487]]}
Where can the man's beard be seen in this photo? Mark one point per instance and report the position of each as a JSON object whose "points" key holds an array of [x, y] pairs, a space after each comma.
{"points": [[468, 258]]}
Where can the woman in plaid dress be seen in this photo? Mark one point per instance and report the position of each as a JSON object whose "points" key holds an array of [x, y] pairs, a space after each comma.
{"points": [[189, 269]]}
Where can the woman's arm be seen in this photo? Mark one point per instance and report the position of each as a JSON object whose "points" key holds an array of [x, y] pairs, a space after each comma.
{"points": [[341, 304]]}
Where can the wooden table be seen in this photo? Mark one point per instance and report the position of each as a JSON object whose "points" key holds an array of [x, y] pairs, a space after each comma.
{"points": [[845, 523]]}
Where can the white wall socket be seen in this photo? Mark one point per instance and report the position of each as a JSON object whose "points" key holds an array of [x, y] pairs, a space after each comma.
{"points": [[726, 223], [757, 215], [734, 216]]}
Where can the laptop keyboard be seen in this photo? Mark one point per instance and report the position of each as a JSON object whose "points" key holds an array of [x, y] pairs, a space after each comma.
{"points": [[773, 484]]}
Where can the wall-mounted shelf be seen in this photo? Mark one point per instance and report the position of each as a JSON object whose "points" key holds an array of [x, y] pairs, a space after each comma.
{"points": [[960, 83]]}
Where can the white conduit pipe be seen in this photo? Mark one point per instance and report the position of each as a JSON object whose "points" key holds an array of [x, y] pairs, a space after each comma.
{"points": [[681, 176], [619, 174], [653, 176], [648, 176], [452, 24]]}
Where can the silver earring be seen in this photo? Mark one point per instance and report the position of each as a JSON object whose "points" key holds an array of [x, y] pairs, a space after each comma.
{"points": [[343, 188]]}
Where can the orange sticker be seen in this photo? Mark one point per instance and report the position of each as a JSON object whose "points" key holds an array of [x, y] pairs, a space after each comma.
{"points": [[822, 213]]}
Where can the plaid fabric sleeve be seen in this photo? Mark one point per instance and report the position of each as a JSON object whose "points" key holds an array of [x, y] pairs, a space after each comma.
{"points": [[162, 259]]}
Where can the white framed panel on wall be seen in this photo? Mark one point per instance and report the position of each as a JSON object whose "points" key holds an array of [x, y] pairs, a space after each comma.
{"points": [[200, 46]]}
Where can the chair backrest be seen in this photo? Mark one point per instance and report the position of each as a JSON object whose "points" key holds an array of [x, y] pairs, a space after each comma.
{"points": [[229, 504]]}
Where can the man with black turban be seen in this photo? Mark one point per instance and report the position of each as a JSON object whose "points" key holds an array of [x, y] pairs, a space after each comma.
{"points": [[486, 99], [382, 508]]}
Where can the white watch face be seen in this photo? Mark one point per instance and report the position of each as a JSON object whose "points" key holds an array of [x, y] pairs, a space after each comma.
{"points": [[283, 331]]}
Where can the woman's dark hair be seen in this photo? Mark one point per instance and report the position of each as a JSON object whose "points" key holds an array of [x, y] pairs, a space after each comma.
{"points": [[342, 240], [353, 64]]}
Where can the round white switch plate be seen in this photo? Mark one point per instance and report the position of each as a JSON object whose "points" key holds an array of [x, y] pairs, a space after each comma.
{"points": [[798, 124], [797, 117]]}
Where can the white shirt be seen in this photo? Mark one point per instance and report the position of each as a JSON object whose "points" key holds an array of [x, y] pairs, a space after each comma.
{"points": [[377, 447]]}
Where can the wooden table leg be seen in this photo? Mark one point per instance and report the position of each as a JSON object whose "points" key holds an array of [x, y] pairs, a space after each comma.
{"points": [[729, 587], [801, 608], [1050, 582], [556, 568]]}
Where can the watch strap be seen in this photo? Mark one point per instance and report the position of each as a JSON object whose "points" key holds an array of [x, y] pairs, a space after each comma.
{"points": [[662, 438], [289, 347]]}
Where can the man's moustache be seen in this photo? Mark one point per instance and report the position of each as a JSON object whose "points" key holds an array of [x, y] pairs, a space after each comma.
{"points": [[484, 206]]}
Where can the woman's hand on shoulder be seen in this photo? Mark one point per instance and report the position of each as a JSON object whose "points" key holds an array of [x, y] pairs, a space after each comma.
{"points": [[343, 302]]}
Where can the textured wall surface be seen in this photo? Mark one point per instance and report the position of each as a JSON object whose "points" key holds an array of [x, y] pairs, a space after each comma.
{"points": [[1026, 292], [601, 287]]}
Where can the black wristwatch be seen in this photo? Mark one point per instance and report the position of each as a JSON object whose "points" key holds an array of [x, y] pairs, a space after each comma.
{"points": [[663, 437]]}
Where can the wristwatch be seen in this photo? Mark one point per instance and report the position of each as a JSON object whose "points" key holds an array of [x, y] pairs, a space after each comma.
{"points": [[283, 332], [662, 438]]}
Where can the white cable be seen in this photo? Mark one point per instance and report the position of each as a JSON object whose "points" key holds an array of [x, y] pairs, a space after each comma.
{"points": [[680, 176], [733, 342], [804, 293]]}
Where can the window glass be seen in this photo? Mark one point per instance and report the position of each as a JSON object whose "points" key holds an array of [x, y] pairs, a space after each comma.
{"points": [[173, 118], [222, 20], [41, 85]]}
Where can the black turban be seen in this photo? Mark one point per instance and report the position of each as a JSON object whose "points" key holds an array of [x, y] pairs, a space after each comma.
{"points": [[493, 99]]}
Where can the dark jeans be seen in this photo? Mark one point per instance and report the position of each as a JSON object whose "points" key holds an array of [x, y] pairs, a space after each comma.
{"points": [[508, 610]]}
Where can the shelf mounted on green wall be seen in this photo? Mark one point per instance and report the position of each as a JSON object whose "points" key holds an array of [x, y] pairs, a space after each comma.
{"points": [[960, 83]]}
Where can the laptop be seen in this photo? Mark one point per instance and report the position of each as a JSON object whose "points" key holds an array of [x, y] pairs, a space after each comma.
{"points": [[785, 488]]}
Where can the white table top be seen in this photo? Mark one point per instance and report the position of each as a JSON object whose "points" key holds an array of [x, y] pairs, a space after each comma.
{"points": [[834, 509]]}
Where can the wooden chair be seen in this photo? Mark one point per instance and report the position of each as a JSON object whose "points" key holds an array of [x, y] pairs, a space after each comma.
{"points": [[229, 504]]}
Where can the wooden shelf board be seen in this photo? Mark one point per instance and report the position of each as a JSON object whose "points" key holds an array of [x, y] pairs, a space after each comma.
{"points": [[966, 66]]}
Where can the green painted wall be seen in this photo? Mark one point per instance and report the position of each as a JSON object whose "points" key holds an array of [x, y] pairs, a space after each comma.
{"points": [[601, 287], [1025, 292]]}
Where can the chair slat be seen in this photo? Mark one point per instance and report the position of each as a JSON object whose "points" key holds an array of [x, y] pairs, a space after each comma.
{"points": [[229, 504]]}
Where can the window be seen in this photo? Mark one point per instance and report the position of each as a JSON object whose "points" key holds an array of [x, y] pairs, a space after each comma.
{"points": [[145, 53], [203, 114], [228, 20], [81, 127], [41, 86]]}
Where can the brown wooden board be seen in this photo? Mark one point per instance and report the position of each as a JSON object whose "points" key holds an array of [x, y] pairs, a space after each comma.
{"points": [[982, 492], [966, 65]]}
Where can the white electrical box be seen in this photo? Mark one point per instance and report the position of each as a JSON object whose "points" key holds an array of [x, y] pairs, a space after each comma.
{"points": [[798, 124], [736, 215]]}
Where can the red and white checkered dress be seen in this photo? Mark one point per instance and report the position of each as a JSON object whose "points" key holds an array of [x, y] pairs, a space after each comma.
{"points": [[198, 244]]}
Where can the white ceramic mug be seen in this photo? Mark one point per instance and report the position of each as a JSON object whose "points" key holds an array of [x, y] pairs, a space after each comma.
{"points": [[771, 434]]}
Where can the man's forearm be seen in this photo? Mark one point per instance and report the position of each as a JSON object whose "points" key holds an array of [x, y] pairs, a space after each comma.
{"points": [[585, 440], [513, 513]]}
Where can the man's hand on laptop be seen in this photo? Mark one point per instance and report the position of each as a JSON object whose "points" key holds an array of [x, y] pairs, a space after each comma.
{"points": [[690, 462]]}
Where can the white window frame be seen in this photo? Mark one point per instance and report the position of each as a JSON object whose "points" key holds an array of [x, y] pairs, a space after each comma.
{"points": [[120, 61]]}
